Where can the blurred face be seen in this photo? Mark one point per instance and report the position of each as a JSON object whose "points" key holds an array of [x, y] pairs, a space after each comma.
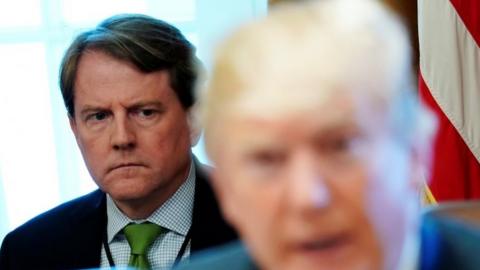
{"points": [[131, 129], [318, 188]]}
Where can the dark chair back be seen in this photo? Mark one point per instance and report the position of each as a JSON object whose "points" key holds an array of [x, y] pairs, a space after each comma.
{"points": [[463, 211]]}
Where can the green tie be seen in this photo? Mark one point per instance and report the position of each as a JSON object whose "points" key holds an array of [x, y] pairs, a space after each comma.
{"points": [[140, 237]]}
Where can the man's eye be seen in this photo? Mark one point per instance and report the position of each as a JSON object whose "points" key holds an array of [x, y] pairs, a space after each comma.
{"points": [[338, 145], [342, 148], [147, 112], [98, 116], [266, 158]]}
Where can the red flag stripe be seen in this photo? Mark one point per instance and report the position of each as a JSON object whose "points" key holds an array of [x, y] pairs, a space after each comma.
{"points": [[469, 11], [453, 164]]}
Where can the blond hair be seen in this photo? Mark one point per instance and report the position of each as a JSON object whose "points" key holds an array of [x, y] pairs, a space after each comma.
{"points": [[306, 51]]}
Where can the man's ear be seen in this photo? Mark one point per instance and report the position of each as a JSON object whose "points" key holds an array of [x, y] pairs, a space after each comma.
{"points": [[73, 125], [422, 147], [194, 126], [420, 165], [417, 170]]}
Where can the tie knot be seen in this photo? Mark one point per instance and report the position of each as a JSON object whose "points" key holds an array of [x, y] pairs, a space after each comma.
{"points": [[141, 236]]}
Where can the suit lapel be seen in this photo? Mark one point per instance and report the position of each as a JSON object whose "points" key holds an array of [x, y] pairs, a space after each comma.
{"points": [[88, 224], [208, 226]]}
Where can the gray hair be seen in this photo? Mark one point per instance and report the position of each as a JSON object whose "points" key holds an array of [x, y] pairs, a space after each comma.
{"points": [[148, 43]]}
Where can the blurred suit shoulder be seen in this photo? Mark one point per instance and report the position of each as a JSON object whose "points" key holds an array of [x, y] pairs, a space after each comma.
{"points": [[233, 256], [448, 243]]}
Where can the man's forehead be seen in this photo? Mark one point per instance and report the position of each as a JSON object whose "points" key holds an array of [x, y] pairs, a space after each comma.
{"points": [[278, 100], [289, 110], [337, 114]]}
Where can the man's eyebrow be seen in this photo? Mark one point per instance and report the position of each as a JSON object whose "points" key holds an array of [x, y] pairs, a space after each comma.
{"points": [[141, 104], [350, 127], [90, 108]]}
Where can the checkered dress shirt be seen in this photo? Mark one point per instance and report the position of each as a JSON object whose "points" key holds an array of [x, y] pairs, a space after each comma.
{"points": [[175, 215]]}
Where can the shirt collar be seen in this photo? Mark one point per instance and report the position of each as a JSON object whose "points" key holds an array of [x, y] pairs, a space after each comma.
{"points": [[175, 214]]}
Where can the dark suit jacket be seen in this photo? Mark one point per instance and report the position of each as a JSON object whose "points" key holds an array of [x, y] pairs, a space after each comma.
{"points": [[446, 244], [449, 243], [70, 235]]}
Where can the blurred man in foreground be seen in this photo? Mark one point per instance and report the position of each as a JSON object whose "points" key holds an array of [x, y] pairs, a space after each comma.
{"points": [[320, 143]]}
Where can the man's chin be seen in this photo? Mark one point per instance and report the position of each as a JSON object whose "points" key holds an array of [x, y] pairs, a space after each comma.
{"points": [[339, 265], [125, 190], [339, 258]]}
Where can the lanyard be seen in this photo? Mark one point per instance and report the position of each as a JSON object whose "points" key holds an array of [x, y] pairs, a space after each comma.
{"points": [[180, 253]]}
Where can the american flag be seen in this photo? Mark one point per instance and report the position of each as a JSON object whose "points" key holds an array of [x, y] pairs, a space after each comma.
{"points": [[449, 37]]}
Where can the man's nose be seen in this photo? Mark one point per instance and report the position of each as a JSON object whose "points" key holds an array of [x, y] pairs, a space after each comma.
{"points": [[123, 135], [308, 189]]}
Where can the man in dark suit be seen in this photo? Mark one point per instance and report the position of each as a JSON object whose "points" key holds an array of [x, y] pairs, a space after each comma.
{"points": [[319, 142], [127, 86]]}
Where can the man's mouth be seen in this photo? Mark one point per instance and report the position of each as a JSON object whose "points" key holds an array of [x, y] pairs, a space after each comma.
{"points": [[126, 166], [333, 245]]}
